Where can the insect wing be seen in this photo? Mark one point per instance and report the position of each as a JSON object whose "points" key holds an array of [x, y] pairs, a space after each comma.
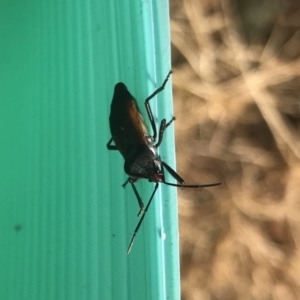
{"points": [[126, 124]]}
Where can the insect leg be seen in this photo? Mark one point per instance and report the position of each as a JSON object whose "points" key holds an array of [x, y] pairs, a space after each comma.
{"points": [[148, 108], [163, 126], [111, 147], [138, 197], [125, 183], [141, 220], [170, 122]]}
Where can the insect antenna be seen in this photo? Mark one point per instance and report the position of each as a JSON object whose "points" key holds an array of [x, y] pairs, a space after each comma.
{"points": [[172, 172], [141, 220], [192, 186], [181, 181]]}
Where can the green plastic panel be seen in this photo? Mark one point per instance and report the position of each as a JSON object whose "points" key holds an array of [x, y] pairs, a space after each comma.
{"points": [[65, 220]]}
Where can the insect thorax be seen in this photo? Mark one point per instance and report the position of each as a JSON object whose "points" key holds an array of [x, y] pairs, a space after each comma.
{"points": [[142, 162]]}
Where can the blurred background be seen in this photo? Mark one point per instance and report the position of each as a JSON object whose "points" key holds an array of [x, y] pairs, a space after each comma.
{"points": [[236, 94]]}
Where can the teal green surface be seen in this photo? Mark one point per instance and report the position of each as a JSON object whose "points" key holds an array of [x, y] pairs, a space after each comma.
{"points": [[65, 220]]}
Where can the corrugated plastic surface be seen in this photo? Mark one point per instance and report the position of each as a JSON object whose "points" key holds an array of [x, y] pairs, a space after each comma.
{"points": [[65, 221]]}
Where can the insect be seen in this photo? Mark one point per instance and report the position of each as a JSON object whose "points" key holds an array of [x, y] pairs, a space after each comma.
{"points": [[138, 147]]}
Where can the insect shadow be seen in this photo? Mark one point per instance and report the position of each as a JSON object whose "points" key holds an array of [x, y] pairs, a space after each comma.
{"points": [[138, 147]]}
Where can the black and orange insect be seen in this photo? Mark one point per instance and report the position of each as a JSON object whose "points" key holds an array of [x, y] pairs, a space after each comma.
{"points": [[138, 147]]}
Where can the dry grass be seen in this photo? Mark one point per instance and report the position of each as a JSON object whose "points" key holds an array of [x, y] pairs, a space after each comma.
{"points": [[237, 102]]}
